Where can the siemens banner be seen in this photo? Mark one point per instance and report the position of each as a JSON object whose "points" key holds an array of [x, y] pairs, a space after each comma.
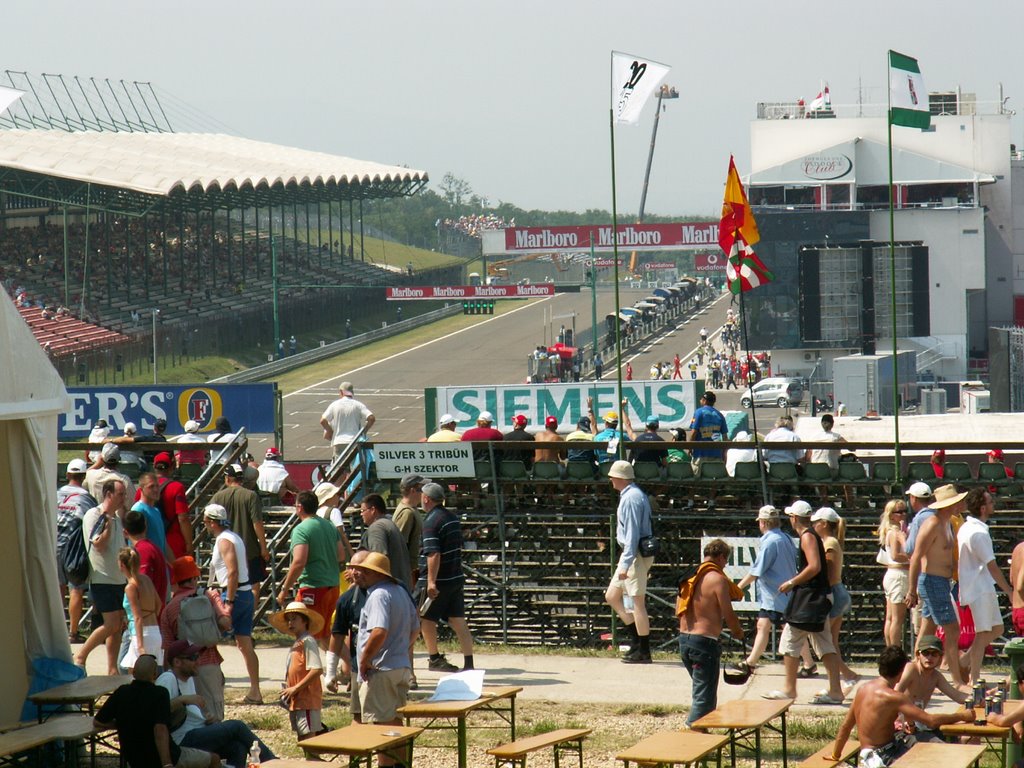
{"points": [[672, 402], [250, 406]]}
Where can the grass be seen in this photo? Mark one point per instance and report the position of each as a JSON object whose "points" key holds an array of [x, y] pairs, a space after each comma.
{"points": [[386, 252]]}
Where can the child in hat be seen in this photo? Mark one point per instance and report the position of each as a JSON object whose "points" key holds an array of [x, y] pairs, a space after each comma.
{"points": [[302, 694]]}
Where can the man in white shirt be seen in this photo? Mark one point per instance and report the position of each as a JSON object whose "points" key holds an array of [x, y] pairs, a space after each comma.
{"points": [[783, 433], [345, 418], [274, 477], [736, 455], [828, 456], [979, 574]]}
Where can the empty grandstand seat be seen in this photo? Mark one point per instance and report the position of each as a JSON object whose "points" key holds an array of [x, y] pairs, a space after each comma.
{"points": [[854, 472], [922, 471], [992, 472], [483, 470], [512, 469], [579, 470], [817, 472], [679, 470], [882, 471], [782, 471], [547, 470], [957, 472], [647, 470], [713, 469]]}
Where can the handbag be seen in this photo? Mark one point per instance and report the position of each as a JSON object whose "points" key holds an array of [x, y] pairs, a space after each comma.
{"points": [[808, 608], [648, 546], [882, 558]]}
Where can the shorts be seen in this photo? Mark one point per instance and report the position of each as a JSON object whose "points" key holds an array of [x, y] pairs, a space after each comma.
{"points": [[635, 583], [1018, 621], [242, 612], [841, 602], [985, 611], [449, 603], [791, 642], [896, 584], [257, 569], [775, 617], [322, 600], [193, 758], [383, 693], [151, 640], [936, 599], [107, 598], [305, 722]]}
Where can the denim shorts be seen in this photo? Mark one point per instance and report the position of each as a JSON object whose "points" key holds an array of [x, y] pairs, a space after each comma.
{"points": [[936, 599], [841, 602]]}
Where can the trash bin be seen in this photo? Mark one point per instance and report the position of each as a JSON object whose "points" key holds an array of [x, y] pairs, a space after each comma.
{"points": [[1015, 652]]}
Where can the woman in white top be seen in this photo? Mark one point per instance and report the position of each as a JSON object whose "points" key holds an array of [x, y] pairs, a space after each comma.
{"points": [[892, 541], [142, 605]]}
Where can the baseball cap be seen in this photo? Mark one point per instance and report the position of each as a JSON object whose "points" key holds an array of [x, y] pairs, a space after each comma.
{"points": [[163, 458], [611, 416], [550, 421], [583, 423], [827, 514], [181, 648], [996, 453], [433, 491], [130, 428], [273, 453], [929, 643], [519, 420], [768, 512], [799, 508], [485, 416], [623, 470], [346, 388], [919, 490], [412, 480], [216, 512], [652, 421], [234, 470], [159, 424], [446, 419], [111, 453], [77, 467], [191, 425]]}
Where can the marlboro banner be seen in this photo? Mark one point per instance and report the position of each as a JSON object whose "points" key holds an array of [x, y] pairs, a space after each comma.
{"points": [[576, 239], [460, 292]]}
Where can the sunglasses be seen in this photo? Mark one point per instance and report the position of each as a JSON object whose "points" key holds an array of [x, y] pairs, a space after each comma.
{"points": [[930, 652]]}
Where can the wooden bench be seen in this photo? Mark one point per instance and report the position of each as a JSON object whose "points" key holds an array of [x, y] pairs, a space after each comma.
{"points": [[823, 757], [673, 748], [563, 740], [931, 754], [361, 742], [58, 728]]}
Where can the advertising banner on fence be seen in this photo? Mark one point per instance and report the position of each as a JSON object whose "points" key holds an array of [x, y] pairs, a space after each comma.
{"points": [[460, 292], [636, 237], [249, 406], [673, 402], [744, 552], [709, 262], [428, 459]]}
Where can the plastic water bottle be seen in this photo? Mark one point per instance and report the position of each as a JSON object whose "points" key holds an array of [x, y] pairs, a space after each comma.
{"points": [[254, 755]]}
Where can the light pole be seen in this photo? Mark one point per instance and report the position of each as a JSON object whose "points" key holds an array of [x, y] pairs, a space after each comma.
{"points": [[665, 93], [156, 312]]}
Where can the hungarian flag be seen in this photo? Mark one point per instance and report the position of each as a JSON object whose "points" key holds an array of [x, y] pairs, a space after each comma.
{"points": [[823, 101], [744, 271], [634, 80], [908, 100], [736, 214]]}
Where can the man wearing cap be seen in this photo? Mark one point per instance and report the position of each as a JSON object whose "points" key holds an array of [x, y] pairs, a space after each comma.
{"points": [[654, 455], [584, 433], [106, 468], [446, 431], [141, 712], [633, 522], [158, 436], [919, 496], [774, 564], [245, 515], [191, 437], [979, 575], [317, 552], [229, 569], [518, 435], [921, 678], [173, 507], [707, 425], [612, 434], [128, 456], [483, 431], [274, 477], [549, 435], [209, 679], [380, 534], [812, 575], [345, 418], [931, 573], [231, 739], [441, 580], [387, 626], [73, 501]]}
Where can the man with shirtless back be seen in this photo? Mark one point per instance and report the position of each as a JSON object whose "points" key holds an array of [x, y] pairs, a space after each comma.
{"points": [[703, 606], [931, 571], [549, 435], [1017, 582], [875, 708], [920, 680]]}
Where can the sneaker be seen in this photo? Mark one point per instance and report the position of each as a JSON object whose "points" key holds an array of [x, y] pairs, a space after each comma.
{"points": [[637, 657], [441, 665]]}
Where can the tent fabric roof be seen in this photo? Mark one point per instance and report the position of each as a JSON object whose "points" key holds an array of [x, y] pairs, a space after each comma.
{"points": [[162, 163], [32, 387]]}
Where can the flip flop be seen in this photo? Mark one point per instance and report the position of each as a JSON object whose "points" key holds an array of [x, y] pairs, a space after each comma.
{"points": [[806, 672], [776, 696], [824, 699]]}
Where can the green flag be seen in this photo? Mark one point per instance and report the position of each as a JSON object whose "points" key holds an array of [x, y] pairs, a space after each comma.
{"points": [[908, 100]]}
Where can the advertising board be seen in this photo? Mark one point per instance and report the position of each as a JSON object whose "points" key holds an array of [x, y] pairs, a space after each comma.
{"points": [[459, 292], [429, 459]]}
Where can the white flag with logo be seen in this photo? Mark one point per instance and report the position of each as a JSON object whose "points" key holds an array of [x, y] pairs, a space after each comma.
{"points": [[634, 80], [907, 97], [8, 96]]}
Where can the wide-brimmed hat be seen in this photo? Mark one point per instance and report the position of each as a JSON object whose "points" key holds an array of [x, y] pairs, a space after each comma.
{"points": [[183, 569], [326, 491], [947, 496], [378, 563], [279, 620], [622, 470]]}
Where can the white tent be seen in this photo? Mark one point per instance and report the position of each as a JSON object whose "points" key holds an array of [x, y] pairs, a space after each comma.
{"points": [[31, 396]]}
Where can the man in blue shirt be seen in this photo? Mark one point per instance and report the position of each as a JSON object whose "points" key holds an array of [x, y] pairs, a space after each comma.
{"points": [[611, 432], [633, 522], [775, 563], [708, 424], [919, 496]]}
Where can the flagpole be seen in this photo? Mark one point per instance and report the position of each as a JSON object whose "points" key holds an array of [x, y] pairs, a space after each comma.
{"points": [[892, 285], [753, 405], [615, 258]]}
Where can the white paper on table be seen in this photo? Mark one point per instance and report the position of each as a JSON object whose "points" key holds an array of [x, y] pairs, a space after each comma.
{"points": [[460, 686]]}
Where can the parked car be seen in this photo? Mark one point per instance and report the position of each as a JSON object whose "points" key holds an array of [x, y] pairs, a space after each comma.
{"points": [[776, 390]]}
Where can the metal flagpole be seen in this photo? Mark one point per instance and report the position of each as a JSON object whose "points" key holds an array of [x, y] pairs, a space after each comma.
{"points": [[892, 288], [748, 383], [615, 257]]}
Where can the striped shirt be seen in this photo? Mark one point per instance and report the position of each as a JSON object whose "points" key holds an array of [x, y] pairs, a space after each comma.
{"points": [[442, 533]]}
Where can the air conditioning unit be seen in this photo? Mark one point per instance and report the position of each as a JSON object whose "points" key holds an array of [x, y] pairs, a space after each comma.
{"points": [[933, 400], [808, 356]]}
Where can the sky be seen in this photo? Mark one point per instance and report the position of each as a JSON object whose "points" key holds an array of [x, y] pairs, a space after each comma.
{"points": [[513, 97]]}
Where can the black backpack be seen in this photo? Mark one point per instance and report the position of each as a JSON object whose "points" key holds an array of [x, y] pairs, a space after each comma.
{"points": [[71, 550]]}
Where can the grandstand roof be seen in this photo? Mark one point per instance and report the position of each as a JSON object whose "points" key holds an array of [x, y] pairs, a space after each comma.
{"points": [[210, 170]]}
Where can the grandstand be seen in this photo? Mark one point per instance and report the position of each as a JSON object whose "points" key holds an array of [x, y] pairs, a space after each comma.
{"points": [[108, 218]]}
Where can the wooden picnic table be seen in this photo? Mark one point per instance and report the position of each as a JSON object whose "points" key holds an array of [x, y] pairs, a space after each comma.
{"points": [[674, 748], [83, 692], [492, 700], [744, 718], [993, 736], [362, 741]]}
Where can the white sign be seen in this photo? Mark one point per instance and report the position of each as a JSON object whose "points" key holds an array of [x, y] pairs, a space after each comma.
{"points": [[744, 552], [394, 460], [826, 167]]}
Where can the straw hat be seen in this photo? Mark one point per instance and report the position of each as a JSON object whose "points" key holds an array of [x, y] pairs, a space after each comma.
{"points": [[377, 563], [946, 496], [279, 622]]}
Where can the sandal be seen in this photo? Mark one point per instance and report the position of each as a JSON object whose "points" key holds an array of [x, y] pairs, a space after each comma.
{"points": [[254, 702], [824, 699], [806, 672]]}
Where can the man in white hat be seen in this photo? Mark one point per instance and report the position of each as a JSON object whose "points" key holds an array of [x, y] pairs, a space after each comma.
{"points": [[931, 575], [191, 455], [629, 579], [483, 431], [107, 467], [919, 496], [445, 431], [73, 501], [387, 625], [345, 418]]}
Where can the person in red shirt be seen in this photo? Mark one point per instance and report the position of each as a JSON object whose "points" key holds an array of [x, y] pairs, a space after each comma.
{"points": [[483, 431], [629, 371], [677, 367], [939, 463], [173, 507], [151, 560]]}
